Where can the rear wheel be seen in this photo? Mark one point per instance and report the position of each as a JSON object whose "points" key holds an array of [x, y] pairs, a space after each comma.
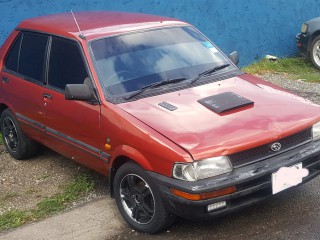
{"points": [[17, 143], [138, 200], [315, 52]]}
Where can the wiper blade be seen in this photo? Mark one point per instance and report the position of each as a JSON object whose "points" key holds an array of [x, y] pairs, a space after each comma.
{"points": [[154, 85], [209, 72]]}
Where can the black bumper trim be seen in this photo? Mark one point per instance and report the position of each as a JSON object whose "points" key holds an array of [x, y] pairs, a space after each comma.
{"points": [[253, 183]]}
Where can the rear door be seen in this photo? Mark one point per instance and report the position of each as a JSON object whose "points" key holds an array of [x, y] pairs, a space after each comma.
{"points": [[22, 81], [73, 126]]}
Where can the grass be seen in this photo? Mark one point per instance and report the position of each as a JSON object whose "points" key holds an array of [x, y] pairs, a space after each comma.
{"points": [[1, 139], [296, 68], [78, 187], [13, 218]]}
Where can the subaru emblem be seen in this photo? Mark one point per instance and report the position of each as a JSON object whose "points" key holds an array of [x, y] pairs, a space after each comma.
{"points": [[276, 147]]}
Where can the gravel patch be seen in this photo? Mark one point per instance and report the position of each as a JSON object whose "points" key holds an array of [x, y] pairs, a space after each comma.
{"points": [[310, 91], [25, 183]]}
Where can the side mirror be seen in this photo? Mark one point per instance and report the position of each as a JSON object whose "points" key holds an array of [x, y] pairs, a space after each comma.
{"points": [[234, 56], [80, 92]]}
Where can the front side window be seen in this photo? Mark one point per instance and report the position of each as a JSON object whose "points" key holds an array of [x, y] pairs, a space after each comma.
{"points": [[127, 63], [66, 65]]}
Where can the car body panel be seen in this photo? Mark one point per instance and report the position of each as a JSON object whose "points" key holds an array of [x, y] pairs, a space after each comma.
{"points": [[131, 138], [253, 183], [205, 133], [96, 24], [75, 122], [26, 103]]}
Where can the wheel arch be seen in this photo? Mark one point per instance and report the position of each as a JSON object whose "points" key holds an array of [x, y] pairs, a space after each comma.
{"points": [[123, 155], [117, 163], [312, 37], [2, 108]]}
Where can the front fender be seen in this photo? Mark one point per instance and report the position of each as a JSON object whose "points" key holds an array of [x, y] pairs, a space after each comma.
{"points": [[131, 153]]}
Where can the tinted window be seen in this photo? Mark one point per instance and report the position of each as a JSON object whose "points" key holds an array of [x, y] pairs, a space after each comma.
{"points": [[32, 55], [66, 65], [12, 59], [129, 62]]}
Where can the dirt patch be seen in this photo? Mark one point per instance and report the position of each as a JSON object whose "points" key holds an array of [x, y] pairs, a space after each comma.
{"points": [[25, 183]]}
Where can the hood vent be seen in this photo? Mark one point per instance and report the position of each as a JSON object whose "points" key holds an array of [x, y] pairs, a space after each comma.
{"points": [[224, 102], [167, 106]]}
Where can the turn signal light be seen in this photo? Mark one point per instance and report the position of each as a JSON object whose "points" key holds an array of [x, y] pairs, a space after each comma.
{"points": [[204, 196]]}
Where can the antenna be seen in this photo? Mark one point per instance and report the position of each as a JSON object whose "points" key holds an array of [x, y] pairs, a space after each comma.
{"points": [[81, 35]]}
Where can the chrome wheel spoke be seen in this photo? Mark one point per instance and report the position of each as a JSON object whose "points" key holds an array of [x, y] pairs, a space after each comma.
{"points": [[148, 211], [135, 210], [10, 134], [137, 199], [125, 193], [131, 184], [6, 131], [145, 193]]}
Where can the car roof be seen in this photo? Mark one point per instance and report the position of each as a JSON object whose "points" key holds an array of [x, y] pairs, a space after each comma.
{"points": [[95, 24]]}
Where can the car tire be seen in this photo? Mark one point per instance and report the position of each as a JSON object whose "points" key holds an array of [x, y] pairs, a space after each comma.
{"points": [[139, 201], [17, 143], [315, 52]]}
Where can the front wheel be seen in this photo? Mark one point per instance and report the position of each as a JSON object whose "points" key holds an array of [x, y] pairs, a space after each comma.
{"points": [[138, 200], [315, 52]]}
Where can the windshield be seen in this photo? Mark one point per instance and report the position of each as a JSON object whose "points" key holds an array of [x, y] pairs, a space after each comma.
{"points": [[127, 63]]}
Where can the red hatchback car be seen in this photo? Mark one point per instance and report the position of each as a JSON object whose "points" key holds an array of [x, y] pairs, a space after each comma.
{"points": [[152, 103]]}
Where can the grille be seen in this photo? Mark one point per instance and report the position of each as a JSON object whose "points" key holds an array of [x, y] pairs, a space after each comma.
{"points": [[264, 151]]}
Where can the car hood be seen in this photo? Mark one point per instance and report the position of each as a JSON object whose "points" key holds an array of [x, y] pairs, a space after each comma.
{"points": [[205, 133]]}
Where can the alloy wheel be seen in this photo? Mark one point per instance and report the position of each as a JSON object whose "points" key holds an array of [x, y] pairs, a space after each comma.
{"points": [[137, 199], [316, 52], [10, 134]]}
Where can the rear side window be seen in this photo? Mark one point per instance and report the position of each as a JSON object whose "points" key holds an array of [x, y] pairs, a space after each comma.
{"points": [[32, 56], [27, 56], [66, 64], [13, 55]]}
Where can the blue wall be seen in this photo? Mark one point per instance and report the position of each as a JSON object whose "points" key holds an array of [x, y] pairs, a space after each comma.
{"points": [[253, 27]]}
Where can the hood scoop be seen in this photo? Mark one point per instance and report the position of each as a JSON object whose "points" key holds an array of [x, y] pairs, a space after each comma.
{"points": [[224, 102]]}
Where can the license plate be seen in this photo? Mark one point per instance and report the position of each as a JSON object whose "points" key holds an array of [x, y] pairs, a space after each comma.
{"points": [[287, 177]]}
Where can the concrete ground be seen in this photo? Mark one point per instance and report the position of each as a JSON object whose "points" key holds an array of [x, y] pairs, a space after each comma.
{"points": [[93, 221], [292, 214]]}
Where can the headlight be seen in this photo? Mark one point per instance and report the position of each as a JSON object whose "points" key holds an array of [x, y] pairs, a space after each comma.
{"points": [[304, 28], [206, 168], [316, 131]]}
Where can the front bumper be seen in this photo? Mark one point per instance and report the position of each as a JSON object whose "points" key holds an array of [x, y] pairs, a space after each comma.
{"points": [[253, 183], [302, 41]]}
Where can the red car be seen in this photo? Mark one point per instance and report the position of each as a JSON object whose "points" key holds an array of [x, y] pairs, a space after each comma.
{"points": [[152, 103]]}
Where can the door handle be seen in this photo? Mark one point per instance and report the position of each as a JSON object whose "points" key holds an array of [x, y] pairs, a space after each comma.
{"points": [[47, 96], [5, 79]]}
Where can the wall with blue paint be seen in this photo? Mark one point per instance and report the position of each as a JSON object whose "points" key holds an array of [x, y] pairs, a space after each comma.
{"points": [[253, 27]]}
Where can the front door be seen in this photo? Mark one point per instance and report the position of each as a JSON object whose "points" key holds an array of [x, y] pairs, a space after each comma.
{"points": [[73, 126]]}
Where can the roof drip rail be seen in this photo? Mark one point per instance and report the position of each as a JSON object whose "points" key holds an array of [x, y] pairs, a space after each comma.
{"points": [[80, 35]]}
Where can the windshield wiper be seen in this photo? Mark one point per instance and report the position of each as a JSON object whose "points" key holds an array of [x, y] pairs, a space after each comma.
{"points": [[154, 85], [209, 72]]}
